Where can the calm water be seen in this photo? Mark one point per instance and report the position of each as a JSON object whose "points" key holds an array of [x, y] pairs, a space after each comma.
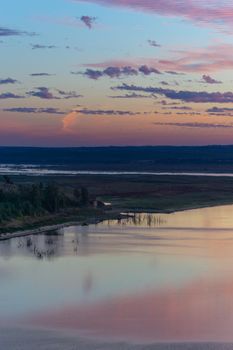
{"points": [[150, 278], [38, 170]]}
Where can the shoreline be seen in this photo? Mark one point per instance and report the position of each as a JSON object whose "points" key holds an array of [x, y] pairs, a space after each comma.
{"points": [[39, 171], [121, 214], [172, 211], [49, 228], [23, 233]]}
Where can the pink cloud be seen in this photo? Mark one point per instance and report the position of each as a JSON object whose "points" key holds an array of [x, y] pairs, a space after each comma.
{"points": [[69, 121], [211, 11], [203, 60]]}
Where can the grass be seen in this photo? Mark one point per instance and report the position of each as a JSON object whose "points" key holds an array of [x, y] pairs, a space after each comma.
{"points": [[71, 215], [133, 193]]}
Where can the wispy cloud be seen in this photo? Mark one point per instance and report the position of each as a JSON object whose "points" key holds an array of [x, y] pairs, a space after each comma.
{"points": [[213, 58], [42, 92], [208, 13], [69, 94], [9, 95], [8, 81], [209, 59], [71, 118], [219, 110], [173, 72], [179, 108], [196, 125], [47, 94], [41, 74], [187, 96], [117, 72], [111, 72], [88, 21], [209, 80], [148, 70], [41, 47], [131, 96], [153, 43], [14, 32], [107, 112], [34, 110]]}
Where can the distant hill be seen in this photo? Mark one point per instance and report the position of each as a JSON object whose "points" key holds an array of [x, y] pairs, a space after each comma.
{"points": [[207, 158]]}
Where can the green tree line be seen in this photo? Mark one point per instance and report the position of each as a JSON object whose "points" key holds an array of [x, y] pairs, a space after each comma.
{"points": [[17, 201]]}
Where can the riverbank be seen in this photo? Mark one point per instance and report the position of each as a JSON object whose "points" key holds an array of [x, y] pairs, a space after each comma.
{"points": [[114, 215], [128, 193], [94, 218]]}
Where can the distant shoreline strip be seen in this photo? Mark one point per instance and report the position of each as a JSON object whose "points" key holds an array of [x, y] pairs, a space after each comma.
{"points": [[38, 171]]}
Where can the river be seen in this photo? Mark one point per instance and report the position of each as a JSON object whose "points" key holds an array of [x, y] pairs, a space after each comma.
{"points": [[38, 170], [148, 279]]}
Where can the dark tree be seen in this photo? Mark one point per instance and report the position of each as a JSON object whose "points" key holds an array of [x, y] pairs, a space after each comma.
{"points": [[77, 194], [51, 197], [8, 180], [84, 196]]}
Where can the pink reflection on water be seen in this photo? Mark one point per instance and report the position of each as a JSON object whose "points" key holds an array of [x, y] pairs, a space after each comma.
{"points": [[201, 311]]}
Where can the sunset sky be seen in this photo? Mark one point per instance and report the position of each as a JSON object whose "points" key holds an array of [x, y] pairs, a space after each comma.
{"points": [[116, 72]]}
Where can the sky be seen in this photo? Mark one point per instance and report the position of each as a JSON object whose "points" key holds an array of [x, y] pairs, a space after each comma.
{"points": [[116, 72]]}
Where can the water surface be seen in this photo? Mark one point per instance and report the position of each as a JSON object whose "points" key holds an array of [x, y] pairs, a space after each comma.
{"points": [[146, 279], [39, 170]]}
